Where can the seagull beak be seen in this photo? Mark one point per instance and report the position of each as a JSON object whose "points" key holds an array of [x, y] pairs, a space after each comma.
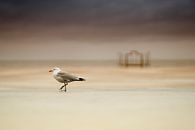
{"points": [[50, 70]]}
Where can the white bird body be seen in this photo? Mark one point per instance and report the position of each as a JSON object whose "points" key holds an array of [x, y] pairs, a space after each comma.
{"points": [[63, 77], [59, 79]]}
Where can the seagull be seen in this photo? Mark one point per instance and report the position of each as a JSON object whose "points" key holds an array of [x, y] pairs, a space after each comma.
{"points": [[63, 77]]}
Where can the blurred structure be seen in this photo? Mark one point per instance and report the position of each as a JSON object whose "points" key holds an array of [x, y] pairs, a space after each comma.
{"points": [[134, 58]]}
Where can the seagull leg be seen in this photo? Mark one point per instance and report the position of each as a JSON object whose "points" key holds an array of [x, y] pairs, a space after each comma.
{"points": [[62, 87], [65, 86], [65, 89]]}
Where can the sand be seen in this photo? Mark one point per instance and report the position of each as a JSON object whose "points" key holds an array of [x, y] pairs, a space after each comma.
{"points": [[112, 98]]}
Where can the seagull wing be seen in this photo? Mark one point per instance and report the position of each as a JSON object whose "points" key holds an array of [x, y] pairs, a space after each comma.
{"points": [[67, 77]]}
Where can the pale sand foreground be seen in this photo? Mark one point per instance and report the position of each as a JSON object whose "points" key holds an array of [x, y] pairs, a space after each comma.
{"points": [[112, 98]]}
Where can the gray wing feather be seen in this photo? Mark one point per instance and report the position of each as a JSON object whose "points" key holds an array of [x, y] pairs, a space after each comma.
{"points": [[67, 76]]}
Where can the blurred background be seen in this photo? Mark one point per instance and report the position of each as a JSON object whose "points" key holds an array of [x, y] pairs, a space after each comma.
{"points": [[96, 29]]}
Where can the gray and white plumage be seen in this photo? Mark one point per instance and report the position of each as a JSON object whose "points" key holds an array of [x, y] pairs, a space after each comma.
{"points": [[64, 77]]}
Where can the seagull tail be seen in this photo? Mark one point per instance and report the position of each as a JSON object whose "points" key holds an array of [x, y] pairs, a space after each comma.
{"points": [[82, 79]]}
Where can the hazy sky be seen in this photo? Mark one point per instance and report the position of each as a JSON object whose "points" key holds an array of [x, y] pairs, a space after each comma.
{"points": [[96, 29]]}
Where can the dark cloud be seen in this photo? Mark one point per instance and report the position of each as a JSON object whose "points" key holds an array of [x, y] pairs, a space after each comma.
{"points": [[96, 18], [96, 11]]}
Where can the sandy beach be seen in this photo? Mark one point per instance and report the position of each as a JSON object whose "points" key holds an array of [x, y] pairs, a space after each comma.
{"points": [[157, 97]]}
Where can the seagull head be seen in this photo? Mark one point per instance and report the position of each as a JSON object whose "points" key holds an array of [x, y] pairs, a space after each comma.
{"points": [[56, 69]]}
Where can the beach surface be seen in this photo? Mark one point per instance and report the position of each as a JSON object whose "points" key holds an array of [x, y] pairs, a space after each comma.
{"points": [[112, 97]]}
